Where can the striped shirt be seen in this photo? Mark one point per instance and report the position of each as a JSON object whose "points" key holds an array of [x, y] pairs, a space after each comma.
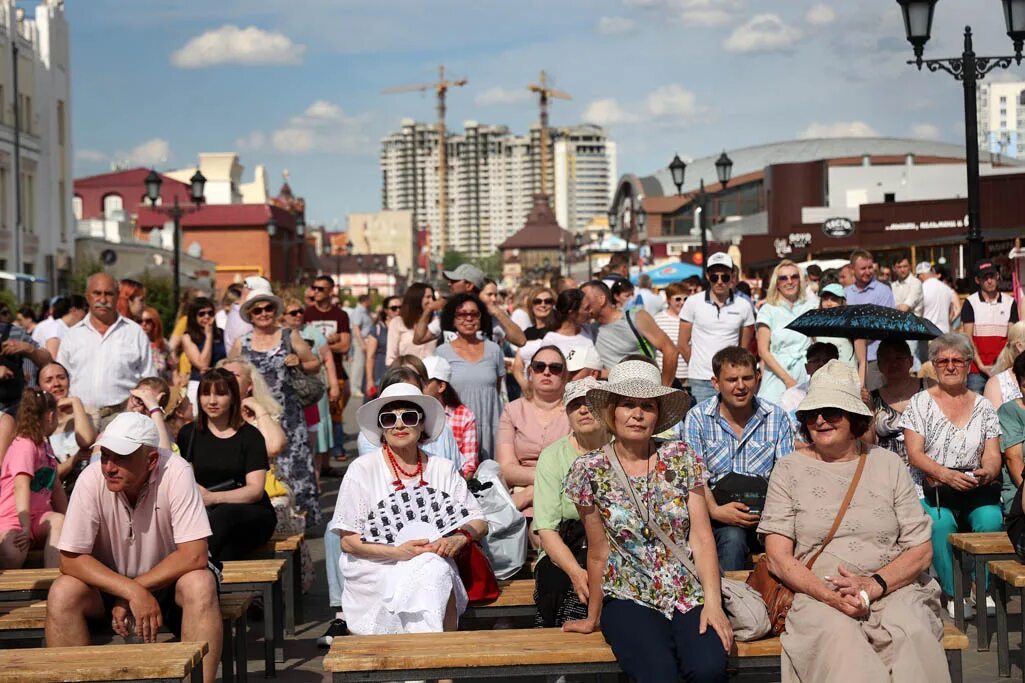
{"points": [[670, 324], [766, 438]]}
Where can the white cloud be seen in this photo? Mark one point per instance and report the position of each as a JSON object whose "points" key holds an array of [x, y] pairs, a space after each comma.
{"points": [[705, 17], [154, 152], [607, 112], [91, 156], [925, 131], [229, 44], [499, 96], [672, 101], [612, 25], [323, 128], [668, 105], [763, 33], [819, 15], [838, 129], [691, 12]]}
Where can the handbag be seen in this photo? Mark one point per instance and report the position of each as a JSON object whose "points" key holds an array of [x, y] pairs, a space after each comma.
{"points": [[308, 389], [748, 615], [778, 598], [475, 571], [741, 488]]}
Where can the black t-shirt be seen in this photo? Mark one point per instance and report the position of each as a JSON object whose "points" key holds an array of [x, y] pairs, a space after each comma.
{"points": [[216, 460], [534, 333]]}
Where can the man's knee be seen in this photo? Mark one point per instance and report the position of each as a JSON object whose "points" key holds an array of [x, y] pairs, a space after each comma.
{"points": [[68, 595], [196, 589]]}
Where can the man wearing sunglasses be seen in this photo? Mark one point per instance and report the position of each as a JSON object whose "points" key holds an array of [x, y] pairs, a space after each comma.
{"points": [[710, 323], [986, 317], [868, 290]]}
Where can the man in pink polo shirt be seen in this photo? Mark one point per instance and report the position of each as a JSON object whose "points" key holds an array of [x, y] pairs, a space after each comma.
{"points": [[134, 546]]}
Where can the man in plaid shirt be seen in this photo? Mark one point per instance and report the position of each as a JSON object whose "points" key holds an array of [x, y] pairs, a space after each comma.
{"points": [[735, 432]]}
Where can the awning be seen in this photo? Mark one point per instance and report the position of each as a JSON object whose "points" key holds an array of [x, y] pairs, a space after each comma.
{"points": [[21, 277], [669, 273]]}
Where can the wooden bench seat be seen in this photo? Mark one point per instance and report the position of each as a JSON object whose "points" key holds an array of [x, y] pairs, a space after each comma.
{"points": [[525, 652], [288, 547], [1006, 576], [981, 548], [146, 662]]}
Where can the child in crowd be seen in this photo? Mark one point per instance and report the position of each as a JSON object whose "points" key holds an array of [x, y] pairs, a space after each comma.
{"points": [[32, 501]]}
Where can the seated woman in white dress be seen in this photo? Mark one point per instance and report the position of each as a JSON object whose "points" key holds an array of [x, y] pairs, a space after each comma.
{"points": [[403, 518]]}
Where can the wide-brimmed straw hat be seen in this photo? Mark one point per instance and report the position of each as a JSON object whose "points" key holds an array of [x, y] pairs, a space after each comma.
{"points": [[578, 388], [260, 294], [835, 385], [640, 379], [434, 413]]}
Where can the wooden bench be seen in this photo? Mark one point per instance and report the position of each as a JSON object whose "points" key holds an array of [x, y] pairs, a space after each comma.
{"points": [[527, 652], [982, 548], [288, 547], [1007, 575], [26, 620], [148, 662]]}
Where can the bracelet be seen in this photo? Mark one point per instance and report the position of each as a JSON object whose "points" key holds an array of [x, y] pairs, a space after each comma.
{"points": [[154, 409], [882, 582]]}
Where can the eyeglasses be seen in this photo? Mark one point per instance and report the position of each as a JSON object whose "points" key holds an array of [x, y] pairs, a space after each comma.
{"points": [[205, 313], [720, 277], [828, 414], [544, 302], [295, 312], [468, 315], [955, 363], [149, 321], [319, 288], [540, 366], [395, 308], [680, 298], [787, 278], [408, 418], [260, 310]]}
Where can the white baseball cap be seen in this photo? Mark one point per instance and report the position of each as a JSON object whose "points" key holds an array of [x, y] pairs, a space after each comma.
{"points": [[127, 432], [923, 267], [720, 258], [581, 357], [438, 368], [257, 283]]}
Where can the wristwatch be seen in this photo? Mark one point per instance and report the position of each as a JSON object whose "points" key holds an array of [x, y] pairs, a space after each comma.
{"points": [[882, 583]]}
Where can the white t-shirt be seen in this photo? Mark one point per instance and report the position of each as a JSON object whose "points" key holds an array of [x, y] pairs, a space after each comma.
{"points": [[565, 343], [714, 328], [521, 318], [936, 300], [48, 329]]}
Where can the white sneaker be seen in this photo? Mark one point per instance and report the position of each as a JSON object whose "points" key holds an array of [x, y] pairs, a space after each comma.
{"points": [[991, 607], [969, 611]]}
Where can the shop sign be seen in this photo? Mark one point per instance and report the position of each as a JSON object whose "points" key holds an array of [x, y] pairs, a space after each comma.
{"points": [[928, 225], [838, 227], [796, 240]]}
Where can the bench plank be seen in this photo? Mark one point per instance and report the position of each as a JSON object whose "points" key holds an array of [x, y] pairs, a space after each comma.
{"points": [[13, 580], [22, 614], [252, 571], [983, 543], [1011, 571], [102, 663]]}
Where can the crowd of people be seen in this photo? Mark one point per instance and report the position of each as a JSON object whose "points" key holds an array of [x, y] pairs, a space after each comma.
{"points": [[651, 440]]}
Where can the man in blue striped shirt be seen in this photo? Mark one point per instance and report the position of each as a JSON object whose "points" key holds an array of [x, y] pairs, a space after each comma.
{"points": [[738, 438]]}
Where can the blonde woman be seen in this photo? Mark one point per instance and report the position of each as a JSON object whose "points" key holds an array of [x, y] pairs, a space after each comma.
{"points": [[782, 351], [540, 308], [1002, 385]]}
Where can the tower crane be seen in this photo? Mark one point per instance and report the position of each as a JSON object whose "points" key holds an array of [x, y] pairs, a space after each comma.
{"points": [[544, 93], [440, 87]]}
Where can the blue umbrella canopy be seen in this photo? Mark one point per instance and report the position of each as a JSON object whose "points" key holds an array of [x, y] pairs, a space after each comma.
{"points": [[864, 321], [670, 272]]}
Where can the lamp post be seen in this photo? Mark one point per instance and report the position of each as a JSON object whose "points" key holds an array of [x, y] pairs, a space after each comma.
{"points": [[723, 171], [197, 183], [300, 241], [359, 269], [969, 69]]}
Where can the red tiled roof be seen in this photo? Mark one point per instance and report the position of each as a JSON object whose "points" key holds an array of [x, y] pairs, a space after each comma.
{"points": [[130, 177], [541, 231], [221, 216]]}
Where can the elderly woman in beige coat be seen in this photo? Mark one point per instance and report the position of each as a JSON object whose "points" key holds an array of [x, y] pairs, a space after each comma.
{"points": [[866, 611]]}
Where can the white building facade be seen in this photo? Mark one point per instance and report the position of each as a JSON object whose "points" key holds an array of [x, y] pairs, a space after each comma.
{"points": [[493, 175], [1001, 110], [42, 244]]}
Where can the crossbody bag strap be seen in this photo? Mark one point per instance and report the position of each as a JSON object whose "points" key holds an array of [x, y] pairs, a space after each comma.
{"points": [[843, 509], [678, 552], [642, 342]]}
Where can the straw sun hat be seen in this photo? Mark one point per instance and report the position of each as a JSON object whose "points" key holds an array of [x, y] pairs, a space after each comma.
{"points": [[640, 379], [835, 385]]}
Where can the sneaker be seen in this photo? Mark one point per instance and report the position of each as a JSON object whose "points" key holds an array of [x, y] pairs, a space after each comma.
{"points": [[991, 607], [337, 628], [969, 610]]}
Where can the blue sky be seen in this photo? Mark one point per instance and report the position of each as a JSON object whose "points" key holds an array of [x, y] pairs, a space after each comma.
{"points": [[297, 85]]}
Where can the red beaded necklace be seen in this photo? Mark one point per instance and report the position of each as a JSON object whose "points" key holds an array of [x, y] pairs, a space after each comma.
{"points": [[399, 472]]}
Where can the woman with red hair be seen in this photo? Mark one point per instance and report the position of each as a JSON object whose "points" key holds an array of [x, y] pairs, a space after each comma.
{"points": [[154, 329], [131, 299]]}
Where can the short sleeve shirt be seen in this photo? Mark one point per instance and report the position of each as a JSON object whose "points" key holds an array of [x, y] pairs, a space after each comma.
{"points": [[639, 569], [132, 540], [38, 463], [714, 328], [551, 507], [332, 321], [1012, 424]]}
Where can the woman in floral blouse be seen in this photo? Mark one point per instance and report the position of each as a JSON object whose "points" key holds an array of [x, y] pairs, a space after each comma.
{"points": [[662, 622]]}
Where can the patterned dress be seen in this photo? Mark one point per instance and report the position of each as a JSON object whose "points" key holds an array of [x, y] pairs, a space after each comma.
{"points": [[294, 465], [639, 569]]}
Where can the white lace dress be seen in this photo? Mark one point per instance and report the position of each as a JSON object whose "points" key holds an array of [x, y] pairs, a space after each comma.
{"points": [[381, 597]]}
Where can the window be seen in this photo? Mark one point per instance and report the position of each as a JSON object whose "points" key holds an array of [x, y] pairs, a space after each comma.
{"points": [[60, 122], [112, 203], [1003, 99], [889, 197], [76, 207]]}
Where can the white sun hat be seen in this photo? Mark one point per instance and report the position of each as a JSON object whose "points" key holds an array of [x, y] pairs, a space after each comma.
{"points": [[434, 413], [578, 388], [256, 297], [640, 379], [835, 385]]}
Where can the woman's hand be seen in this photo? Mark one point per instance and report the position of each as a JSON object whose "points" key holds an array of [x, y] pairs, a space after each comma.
{"points": [[580, 626], [851, 584], [984, 477], [208, 328], [579, 579], [67, 404], [959, 481], [716, 618], [251, 409], [449, 546], [410, 549], [148, 395], [22, 539], [851, 605], [208, 496], [291, 360]]}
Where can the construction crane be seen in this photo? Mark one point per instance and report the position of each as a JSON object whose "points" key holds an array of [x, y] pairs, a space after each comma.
{"points": [[440, 87], [544, 93]]}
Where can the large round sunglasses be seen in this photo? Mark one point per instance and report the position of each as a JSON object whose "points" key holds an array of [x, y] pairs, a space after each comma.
{"points": [[408, 418]]}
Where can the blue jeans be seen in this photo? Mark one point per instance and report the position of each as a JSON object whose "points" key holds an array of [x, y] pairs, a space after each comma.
{"points": [[733, 545], [702, 389], [332, 552], [653, 649]]}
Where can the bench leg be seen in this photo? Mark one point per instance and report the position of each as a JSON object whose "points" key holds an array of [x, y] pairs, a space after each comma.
{"points": [[286, 579], [270, 670], [981, 616], [241, 657], [227, 660], [958, 590], [279, 621], [1003, 651], [1021, 655], [954, 666], [297, 582]]}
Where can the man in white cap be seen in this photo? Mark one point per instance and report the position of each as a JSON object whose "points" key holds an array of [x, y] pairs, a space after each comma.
{"points": [[134, 547], [710, 323], [235, 327], [582, 362]]}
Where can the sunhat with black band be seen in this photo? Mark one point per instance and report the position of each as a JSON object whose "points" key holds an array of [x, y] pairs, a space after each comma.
{"points": [[835, 385], [640, 379], [255, 298], [434, 413]]}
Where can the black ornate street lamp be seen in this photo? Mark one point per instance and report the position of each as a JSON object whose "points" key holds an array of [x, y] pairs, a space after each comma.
{"points": [[197, 183], [969, 69], [723, 171]]}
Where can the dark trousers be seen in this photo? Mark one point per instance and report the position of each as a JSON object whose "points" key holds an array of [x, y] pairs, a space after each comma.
{"points": [[653, 649], [734, 545], [238, 528]]}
